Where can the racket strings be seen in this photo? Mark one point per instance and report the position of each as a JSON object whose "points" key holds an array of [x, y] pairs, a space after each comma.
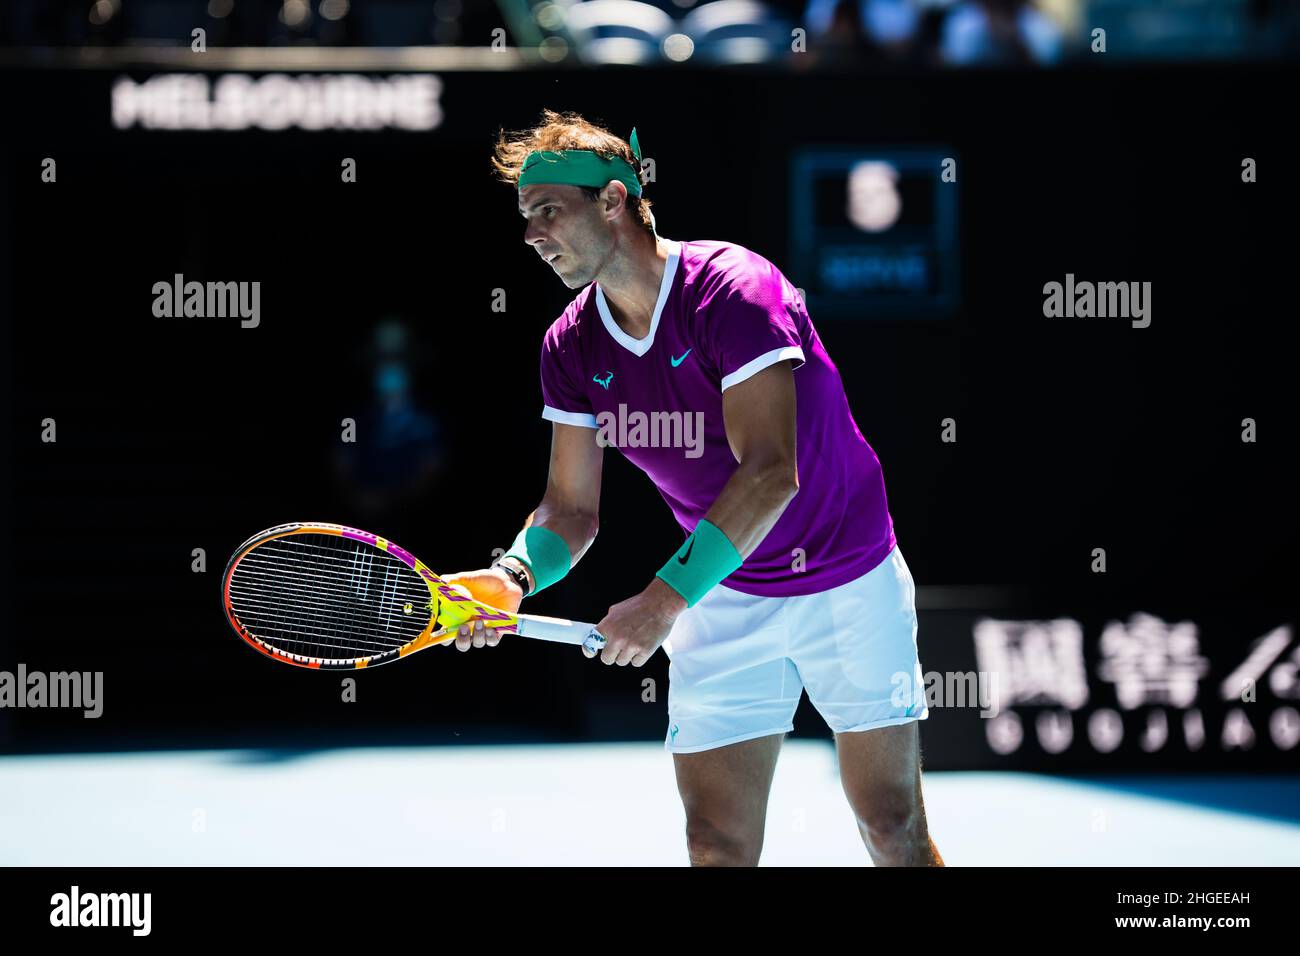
{"points": [[330, 598], [360, 623], [269, 576], [286, 572]]}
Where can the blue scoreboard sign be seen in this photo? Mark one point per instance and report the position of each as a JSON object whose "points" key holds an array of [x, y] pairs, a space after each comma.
{"points": [[874, 232]]}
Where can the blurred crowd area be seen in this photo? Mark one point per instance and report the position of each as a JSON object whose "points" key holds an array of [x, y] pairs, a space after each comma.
{"points": [[835, 32]]}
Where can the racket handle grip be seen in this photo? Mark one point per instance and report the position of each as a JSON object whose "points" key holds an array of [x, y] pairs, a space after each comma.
{"points": [[560, 630]]}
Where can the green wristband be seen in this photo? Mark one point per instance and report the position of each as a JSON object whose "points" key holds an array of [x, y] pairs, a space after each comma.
{"points": [[545, 553], [707, 557]]}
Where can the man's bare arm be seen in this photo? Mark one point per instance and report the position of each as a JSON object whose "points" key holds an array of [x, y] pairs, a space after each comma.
{"points": [[759, 415], [571, 505]]}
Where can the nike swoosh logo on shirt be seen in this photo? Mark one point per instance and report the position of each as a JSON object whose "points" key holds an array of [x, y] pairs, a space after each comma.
{"points": [[678, 361]]}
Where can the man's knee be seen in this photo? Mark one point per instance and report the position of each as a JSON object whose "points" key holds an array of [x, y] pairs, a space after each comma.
{"points": [[890, 819], [710, 845]]}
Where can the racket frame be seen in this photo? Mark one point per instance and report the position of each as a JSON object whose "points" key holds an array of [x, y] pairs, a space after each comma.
{"points": [[448, 606]]}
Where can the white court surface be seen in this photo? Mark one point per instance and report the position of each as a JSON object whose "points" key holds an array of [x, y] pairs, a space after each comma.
{"points": [[579, 805]]}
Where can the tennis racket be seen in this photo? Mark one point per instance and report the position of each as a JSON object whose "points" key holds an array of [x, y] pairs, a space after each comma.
{"points": [[336, 598]]}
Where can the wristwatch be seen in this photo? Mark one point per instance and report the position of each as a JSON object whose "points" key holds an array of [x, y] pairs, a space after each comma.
{"points": [[519, 576]]}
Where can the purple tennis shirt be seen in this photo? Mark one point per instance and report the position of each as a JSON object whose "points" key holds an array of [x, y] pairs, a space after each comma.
{"points": [[723, 314]]}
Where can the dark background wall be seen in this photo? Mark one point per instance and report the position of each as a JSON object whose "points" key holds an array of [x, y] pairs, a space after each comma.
{"points": [[183, 434]]}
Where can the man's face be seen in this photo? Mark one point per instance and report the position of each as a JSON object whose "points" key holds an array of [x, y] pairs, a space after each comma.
{"points": [[567, 230]]}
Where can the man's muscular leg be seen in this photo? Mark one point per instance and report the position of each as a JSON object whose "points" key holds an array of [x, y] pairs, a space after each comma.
{"points": [[881, 773], [725, 794]]}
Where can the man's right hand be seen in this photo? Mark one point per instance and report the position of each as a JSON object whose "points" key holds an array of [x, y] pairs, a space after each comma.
{"points": [[494, 587]]}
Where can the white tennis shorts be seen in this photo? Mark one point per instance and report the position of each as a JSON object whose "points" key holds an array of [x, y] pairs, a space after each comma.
{"points": [[738, 663]]}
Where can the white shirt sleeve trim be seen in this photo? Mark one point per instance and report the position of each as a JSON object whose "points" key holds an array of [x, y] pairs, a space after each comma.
{"points": [[754, 366], [569, 418]]}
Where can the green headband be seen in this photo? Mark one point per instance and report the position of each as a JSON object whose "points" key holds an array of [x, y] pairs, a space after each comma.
{"points": [[582, 167]]}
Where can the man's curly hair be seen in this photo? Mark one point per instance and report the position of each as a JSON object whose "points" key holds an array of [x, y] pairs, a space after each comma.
{"points": [[559, 131]]}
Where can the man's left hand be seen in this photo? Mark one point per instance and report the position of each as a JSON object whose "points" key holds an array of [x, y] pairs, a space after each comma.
{"points": [[634, 629]]}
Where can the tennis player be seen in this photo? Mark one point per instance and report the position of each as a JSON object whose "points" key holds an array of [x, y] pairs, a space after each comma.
{"points": [[699, 362]]}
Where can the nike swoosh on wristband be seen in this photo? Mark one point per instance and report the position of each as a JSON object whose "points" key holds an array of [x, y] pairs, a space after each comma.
{"points": [[683, 558]]}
